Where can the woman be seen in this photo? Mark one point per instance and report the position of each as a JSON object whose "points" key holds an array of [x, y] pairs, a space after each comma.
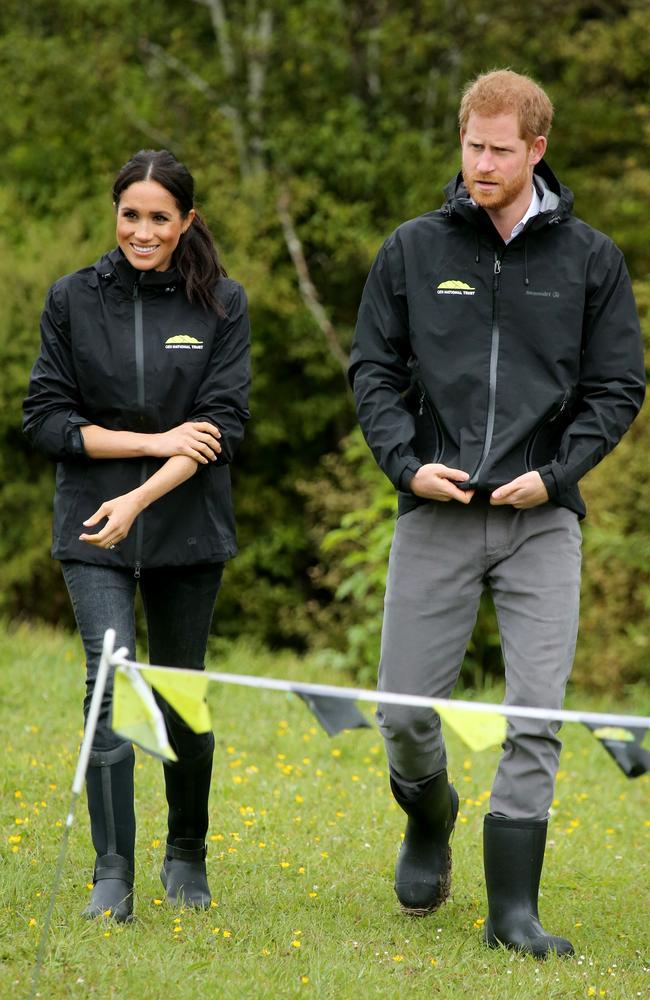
{"points": [[140, 396]]}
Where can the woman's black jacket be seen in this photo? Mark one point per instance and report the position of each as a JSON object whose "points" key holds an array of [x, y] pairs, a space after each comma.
{"points": [[497, 359], [124, 349]]}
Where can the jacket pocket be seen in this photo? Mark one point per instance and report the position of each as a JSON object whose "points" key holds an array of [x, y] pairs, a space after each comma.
{"points": [[70, 484], [545, 439], [428, 442]]}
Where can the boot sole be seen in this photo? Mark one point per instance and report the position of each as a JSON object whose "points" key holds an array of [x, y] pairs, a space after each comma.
{"points": [[524, 949]]}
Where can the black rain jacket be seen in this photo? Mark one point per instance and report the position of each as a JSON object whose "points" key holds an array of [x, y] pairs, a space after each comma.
{"points": [[497, 359], [124, 349]]}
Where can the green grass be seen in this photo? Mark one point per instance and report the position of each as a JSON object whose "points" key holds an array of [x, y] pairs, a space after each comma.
{"points": [[303, 840]]}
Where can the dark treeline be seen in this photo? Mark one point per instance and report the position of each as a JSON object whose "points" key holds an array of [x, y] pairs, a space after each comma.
{"points": [[313, 128]]}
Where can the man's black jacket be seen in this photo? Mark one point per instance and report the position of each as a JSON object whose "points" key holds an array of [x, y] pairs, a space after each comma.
{"points": [[124, 349], [497, 359]]}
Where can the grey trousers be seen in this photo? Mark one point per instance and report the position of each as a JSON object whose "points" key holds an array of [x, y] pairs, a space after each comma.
{"points": [[442, 557]]}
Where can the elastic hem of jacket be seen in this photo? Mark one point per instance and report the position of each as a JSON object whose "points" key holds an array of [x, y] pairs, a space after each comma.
{"points": [[409, 501], [102, 557]]}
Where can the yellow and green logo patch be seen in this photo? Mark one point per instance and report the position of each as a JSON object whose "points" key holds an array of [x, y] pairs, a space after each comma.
{"points": [[455, 287], [183, 341]]}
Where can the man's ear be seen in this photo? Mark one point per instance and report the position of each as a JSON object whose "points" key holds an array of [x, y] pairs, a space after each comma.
{"points": [[537, 150]]}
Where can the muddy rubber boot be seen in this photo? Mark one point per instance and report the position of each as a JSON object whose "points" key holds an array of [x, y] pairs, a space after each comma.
{"points": [[109, 785], [513, 854], [183, 873], [423, 870]]}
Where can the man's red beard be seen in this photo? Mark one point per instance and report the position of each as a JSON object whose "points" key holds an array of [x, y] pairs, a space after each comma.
{"points": [[501, 194]]}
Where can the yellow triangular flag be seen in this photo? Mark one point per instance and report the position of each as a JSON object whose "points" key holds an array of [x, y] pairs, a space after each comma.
{"points": [[184, 691], [136, 715], [479, 730]]}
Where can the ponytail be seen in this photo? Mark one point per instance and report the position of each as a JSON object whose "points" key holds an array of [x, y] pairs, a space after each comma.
{"points": [[197, 262]]}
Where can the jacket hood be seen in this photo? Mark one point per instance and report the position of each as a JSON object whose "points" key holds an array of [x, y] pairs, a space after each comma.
{"points": [[114, 266], [556, 198]]}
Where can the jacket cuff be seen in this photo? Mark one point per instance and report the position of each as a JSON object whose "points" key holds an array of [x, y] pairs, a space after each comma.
{"points": [[74, 442], [409, 470], [553, 480]]}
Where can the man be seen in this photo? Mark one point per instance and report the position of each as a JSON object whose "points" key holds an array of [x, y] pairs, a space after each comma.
{"points": [[497, 358]]}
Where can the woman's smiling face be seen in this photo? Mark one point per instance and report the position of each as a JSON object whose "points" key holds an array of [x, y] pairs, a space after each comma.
{"points": [[149, 225]]}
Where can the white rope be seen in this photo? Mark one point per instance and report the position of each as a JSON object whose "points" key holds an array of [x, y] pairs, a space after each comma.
{"points": [[393, 698]]}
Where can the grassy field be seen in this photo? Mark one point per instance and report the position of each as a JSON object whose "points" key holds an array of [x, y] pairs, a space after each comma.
{"points": [[302, 843]]}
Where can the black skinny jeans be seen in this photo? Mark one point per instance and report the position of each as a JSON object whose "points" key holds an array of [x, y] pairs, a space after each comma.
{"points": [[178, 603]]}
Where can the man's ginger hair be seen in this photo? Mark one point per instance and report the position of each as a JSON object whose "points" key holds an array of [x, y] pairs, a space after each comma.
{"points": [[503, 91]]}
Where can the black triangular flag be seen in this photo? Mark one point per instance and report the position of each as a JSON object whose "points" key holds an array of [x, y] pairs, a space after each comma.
{"points": [[624, 745], [334, 714]]}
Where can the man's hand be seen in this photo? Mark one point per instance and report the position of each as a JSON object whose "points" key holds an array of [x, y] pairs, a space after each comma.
{"points": [[195, 439], [523, 492], [120, 514], [436, 482]]}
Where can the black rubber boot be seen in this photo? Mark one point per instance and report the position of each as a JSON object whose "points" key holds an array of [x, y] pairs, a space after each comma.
{"points": [[109, 785], [423, 870], [187, 784], [513, 853], [184, 876]]}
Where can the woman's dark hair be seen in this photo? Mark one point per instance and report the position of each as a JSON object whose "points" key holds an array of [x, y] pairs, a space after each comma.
{"points": [[195, 257]]}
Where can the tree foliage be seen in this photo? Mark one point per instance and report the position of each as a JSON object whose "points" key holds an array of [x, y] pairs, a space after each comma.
{"points": [[312, 129]]}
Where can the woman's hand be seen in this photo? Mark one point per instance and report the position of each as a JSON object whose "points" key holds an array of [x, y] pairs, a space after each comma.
{"points": [[196, 439], [120, 513]]}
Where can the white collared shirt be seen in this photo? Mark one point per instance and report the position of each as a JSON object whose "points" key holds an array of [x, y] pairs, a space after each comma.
{"points": [[533, 209]]}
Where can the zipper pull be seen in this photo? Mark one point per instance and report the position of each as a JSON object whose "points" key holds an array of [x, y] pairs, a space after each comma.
{"points": [[565, 403], [136, 571], [497, 271], [421, 410]]}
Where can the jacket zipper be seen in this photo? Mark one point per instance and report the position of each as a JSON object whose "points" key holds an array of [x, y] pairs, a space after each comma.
{"points": [[553, 414], [425, 402], [139, 371], [492, 387]]}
